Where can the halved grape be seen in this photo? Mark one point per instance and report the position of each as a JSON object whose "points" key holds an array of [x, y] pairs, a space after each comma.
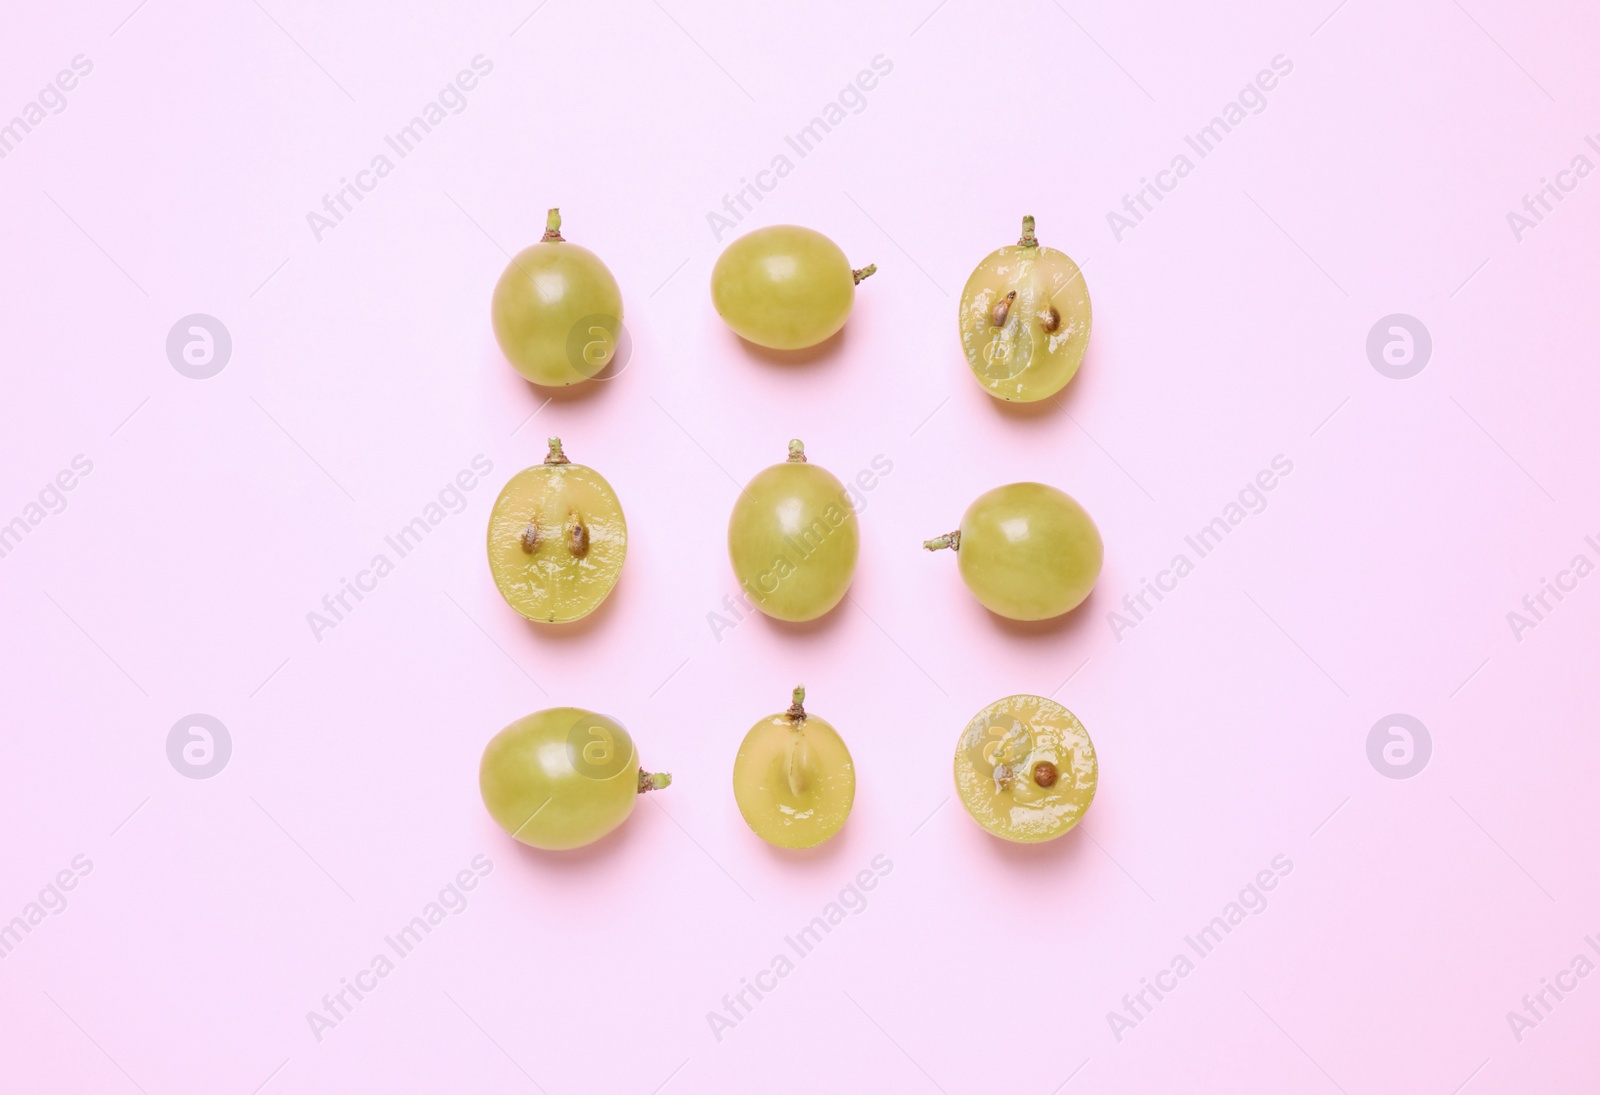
{"points": [[1027, 551], [563, 778], [1024, 320], [793, 539], [793, 778], [557, 539], [1025, 769], [785, 287]]}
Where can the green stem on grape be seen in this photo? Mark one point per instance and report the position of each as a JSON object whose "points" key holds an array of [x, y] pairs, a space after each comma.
{"points": [[951, 540], [1028, 239], [797, 709], [552, 227], [797, 451], [556, 455], [653, 781], [865, 272]]}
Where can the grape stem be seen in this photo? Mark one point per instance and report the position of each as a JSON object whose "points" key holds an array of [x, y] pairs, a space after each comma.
{"points": [[1028, 239], [552, 227], [865, 272], [951, 540], [653, 781], [797, 451], [556, 455], [797, 709]]}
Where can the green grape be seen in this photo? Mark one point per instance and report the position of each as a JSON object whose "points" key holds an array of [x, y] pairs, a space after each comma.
{"points": [[557, 310], [563, 778], [785, 287], [1025, 769], [793, 539], [557, 539], [1027, 551], [1025, 320], [793, 778]]}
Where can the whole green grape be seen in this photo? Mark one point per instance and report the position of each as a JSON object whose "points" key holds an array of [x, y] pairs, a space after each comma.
{"points": [[563, 777], [1025, 769], [785, 287], [557, 539], [557, 311], [1024, 320], [1027, 551], [793, 778], [793, 539]]}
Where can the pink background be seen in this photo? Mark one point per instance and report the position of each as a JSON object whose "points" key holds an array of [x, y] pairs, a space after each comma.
{"points": [[1231, 723]]}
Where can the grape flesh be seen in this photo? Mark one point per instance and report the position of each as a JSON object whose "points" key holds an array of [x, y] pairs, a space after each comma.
{"points": [[557, 311], [1025, 320], [784, 287], [562, 778], [1027, 551], [557, 540], [793, 539], [1025, 769], [793, 778]]}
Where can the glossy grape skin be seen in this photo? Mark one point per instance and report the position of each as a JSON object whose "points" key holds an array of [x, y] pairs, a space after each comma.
{"points": [[998, 775], [793, 540], [553, 583], [539, 301], [793, 779], [1023, 359], [1028, 551], [562, 778], [784, 287]]}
